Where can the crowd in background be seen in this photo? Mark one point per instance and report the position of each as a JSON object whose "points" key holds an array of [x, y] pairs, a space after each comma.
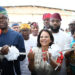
{"points": [[50, 51]]}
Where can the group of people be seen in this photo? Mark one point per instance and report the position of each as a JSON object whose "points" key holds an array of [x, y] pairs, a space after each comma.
{"points": [[48, 52]]}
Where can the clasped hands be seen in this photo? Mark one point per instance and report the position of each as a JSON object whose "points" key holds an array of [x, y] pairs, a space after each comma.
{"points": [[31, 56]]}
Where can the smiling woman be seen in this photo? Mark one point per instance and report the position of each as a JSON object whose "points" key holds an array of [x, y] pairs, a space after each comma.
{"points": [[45, 39], [42, 59]]}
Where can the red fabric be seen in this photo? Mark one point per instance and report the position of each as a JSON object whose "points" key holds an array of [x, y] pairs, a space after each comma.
{"points": [[0, 31], [44, 55], [60, 58], [56, 15], [46, 15]]}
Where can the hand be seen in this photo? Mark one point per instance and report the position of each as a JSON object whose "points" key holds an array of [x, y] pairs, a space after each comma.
{"points": [[67, 54], [74, 50], [73, 46], [31, 60], [5, 49], [31, 56], [50, 55]]}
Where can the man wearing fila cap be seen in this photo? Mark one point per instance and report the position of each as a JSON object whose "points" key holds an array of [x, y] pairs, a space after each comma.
{"points": [[3, 11], [55, 24], [46, 20], [3, 51], [60, 37], [9, 38]]}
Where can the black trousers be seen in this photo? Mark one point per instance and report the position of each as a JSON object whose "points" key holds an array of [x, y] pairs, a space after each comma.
{"points": [[33, 73], [8, 67]]}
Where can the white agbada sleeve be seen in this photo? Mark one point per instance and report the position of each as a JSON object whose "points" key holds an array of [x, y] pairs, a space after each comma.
{"points": [[54, 50]]}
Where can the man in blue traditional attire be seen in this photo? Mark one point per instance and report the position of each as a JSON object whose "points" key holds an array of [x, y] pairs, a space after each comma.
{"points": [[9, 38]]}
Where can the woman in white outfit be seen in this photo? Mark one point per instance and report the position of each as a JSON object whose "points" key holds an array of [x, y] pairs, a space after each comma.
{"points": [[42, 59]]}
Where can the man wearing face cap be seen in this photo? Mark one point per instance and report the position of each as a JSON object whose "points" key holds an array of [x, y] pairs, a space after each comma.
{"points": [[60, 38], [15, 27], [9, 38]]}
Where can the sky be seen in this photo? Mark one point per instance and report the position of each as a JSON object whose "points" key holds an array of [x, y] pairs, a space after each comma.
{"points": [[62, 4]]}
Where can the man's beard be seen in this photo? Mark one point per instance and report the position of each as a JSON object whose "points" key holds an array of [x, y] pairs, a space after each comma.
{"points": [[55, 30]]}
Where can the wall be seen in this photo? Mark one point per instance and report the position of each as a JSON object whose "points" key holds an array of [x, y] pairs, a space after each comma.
{"points": [[34, 13]]}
